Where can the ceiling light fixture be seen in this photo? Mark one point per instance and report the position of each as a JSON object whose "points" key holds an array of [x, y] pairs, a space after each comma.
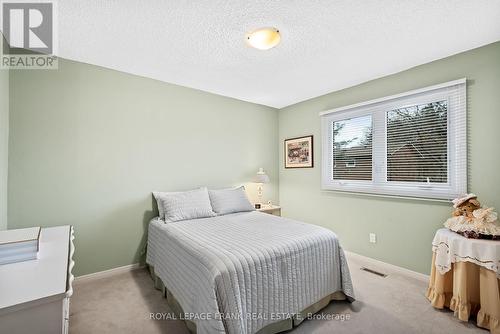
{"points": [[263, 38]]}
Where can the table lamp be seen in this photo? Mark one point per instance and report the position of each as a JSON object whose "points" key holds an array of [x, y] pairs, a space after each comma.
{"points": [[260, 179]]}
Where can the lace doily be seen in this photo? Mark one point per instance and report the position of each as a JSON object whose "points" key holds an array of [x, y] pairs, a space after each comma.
{"points": [[450, 247]]}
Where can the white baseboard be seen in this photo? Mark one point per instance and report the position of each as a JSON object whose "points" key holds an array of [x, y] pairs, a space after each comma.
{"points": [[389, 267], [376, 263], [107, 273]]}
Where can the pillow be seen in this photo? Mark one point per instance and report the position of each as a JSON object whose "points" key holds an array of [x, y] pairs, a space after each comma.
{"points": [[158, 195], [231, 200], [192, 204]]}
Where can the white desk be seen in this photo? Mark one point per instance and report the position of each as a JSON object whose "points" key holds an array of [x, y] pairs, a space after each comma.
{"points": [[34, 295]]}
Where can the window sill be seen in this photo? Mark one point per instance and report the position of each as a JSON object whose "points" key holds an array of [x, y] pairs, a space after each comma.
{"points": [[365, 194]]}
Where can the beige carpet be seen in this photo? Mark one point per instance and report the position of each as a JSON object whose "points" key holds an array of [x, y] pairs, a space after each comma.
{"points": [[395, 304]]}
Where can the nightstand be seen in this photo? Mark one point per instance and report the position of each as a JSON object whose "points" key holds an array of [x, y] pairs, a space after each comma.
{"points": [[271, 209]]}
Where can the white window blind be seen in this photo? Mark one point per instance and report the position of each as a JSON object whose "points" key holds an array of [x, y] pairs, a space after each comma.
{"points": [[352, 148], [411, 144]]}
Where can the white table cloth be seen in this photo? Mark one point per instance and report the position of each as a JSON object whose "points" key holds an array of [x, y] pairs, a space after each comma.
{"points": [[451, 247]]}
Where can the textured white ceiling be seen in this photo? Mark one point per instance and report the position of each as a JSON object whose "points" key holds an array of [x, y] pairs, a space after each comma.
{"points": [[326, 45]]}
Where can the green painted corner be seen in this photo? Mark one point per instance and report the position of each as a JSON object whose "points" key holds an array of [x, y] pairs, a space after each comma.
{"points": [[90, 144]]}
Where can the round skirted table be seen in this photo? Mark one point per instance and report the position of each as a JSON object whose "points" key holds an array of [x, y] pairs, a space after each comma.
{"points": [[465, 277]]}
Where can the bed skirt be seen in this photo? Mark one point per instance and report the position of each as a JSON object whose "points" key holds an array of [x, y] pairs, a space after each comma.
{"points": [[280, 326]]}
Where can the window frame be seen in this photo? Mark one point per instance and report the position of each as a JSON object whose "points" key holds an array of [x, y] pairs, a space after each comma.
{"points": [[453, 92]]}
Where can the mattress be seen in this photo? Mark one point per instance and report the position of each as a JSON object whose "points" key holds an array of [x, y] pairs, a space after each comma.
{"points": [[241, 272]]}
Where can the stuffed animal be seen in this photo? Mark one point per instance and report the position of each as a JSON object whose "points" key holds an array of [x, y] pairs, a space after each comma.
{"points": [[465, 206], [472, 221]]}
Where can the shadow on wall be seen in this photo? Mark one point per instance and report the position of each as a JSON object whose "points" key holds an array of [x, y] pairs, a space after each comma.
{"points": [[140, 254]]}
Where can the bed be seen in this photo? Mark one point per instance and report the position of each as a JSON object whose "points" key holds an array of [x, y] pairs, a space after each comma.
{"points": [[247, 272]]}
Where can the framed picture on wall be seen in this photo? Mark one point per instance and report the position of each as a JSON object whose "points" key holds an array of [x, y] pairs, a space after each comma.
{"points": [[299, 152]]}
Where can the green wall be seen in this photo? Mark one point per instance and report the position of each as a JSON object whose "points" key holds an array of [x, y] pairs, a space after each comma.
{"points": [[404, 227], [4, 144], [88, 145]]}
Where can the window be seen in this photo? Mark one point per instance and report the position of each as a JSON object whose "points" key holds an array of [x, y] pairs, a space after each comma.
{"points": [[411, 144], [417, 143], [351, 143]]}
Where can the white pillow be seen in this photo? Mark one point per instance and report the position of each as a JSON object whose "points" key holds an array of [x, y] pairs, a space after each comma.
{"points": [[231, 200], [192, 204], [158, 195]]}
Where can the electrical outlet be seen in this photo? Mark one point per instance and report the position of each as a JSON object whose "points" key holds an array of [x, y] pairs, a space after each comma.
{"points": [[373, 238]]}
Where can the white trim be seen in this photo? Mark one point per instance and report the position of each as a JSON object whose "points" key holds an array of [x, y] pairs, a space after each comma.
{"points": [[396, 96], [412, 198], [388, 268], [376, 263], [107, 273]]}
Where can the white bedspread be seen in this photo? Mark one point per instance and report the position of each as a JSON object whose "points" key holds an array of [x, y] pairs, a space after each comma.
{"points": [[240, 272]]}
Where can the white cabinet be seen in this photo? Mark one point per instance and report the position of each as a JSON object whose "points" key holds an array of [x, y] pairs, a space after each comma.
{"points": [[34, 295]]}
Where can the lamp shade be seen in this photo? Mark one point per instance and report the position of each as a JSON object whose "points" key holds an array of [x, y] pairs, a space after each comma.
{"points": [[261, 177]]}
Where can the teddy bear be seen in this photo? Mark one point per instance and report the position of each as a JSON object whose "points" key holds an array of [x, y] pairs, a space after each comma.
{"points": [[473, 221], [465, 206]]}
